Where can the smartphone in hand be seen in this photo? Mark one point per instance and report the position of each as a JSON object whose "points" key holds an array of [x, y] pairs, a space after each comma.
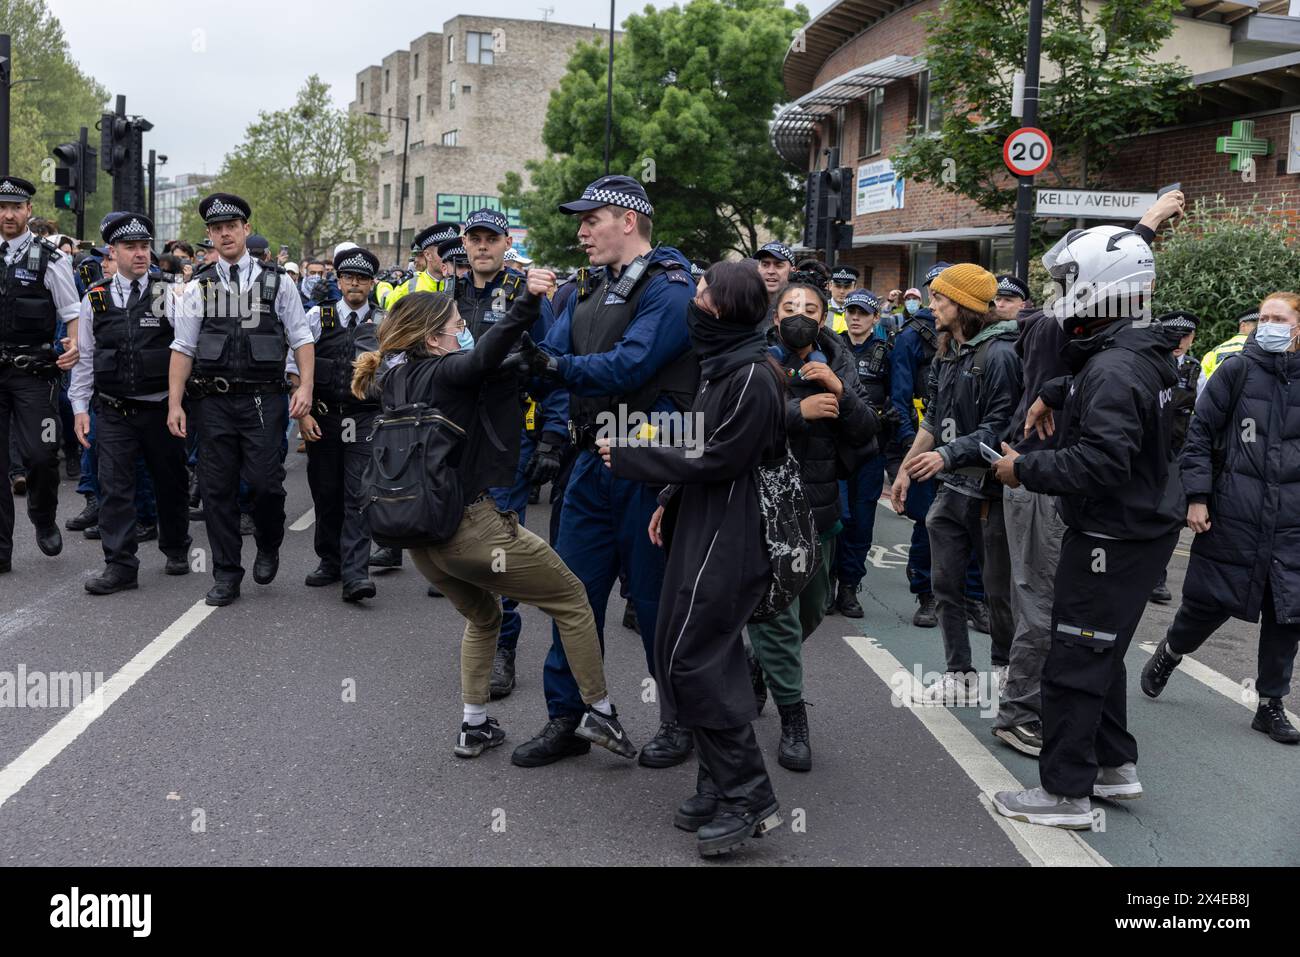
{"points": [[990, 456]]}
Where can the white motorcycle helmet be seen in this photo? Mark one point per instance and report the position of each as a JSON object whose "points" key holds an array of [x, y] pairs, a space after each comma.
{"points": [[344, 247], [1102, 273]]}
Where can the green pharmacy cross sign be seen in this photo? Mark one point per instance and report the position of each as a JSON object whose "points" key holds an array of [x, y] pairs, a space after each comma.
{"points": [[1242, 144]]}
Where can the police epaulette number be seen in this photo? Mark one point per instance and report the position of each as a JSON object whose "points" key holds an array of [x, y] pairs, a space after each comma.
{"points": [[679, 275]]}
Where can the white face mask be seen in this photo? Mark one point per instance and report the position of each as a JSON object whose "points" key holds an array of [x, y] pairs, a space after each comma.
{"points": [[1274, 336]]}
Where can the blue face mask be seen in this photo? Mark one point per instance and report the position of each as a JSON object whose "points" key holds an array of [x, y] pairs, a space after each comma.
{"points": [[1274, 336], [465, 338], [911, 305]]}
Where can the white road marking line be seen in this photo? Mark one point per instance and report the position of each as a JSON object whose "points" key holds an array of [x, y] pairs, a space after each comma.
{"points": [[49, 745], [304, 523], [1041, 846], [1213, 680]]}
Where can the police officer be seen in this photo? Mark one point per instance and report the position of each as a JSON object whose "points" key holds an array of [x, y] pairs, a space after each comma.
{"points": [[620, 346], [1189, 385], [37, 290], [843, 281], [125, 337], [338, 425], [482, 299], [235, 318], [860, 492], [1246, 324], [1013, 294], [430, 278], [775, 263]]}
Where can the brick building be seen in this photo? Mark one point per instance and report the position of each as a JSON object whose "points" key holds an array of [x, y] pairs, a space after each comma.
{"points": [[857, 79], [476, 96]]}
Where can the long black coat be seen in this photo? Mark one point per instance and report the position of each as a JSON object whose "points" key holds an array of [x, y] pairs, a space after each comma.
{"points": [[1254, 506], [718, 569]]}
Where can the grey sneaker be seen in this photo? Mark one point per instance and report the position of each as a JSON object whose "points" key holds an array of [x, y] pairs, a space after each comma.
{"points": [[1036, 806], [1118, 784], [604, 730]]}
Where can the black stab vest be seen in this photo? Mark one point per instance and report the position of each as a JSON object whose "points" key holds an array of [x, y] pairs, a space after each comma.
{"points": [[337, 350], [28, 317], [132, 348], [242, 338]]}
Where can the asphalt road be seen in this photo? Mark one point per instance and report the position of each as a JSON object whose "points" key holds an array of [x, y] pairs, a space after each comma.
{"points": [[292, 728]]}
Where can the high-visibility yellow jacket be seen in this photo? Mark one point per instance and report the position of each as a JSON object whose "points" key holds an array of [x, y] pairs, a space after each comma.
{"points": [[420, 282], [838, 322], [1221, 352]]}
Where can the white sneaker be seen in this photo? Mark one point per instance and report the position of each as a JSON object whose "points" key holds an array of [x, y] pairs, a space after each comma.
{"points": [[954, 690], [1118, 784]]}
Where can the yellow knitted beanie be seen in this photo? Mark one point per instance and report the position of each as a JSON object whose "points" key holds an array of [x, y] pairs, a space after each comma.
{"points": [[968, 285]]}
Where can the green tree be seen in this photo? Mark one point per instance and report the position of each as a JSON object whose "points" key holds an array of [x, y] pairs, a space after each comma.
{"points": [[694, 90], [301, 170], [1100, 83], [1219, 261], [51, 99]]}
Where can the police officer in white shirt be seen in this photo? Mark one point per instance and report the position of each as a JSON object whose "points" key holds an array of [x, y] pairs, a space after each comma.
{"points": [[124, 339], [36, 292], [229, 354]]}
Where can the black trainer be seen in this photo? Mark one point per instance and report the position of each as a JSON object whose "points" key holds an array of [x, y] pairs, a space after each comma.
{"points": [[1026, 738], [847, 601], [732, 826], [1156, 672], [977, 616], [669, 748], [1272, 720], [87, 517], [604, 730], [91, 532], [927, 612], [177, 565], [434, 593], [629, 619], [794, 752], [145, 533], [1160, 594], [476, 738], [756, 679], [385, 557], [554, 742], [503, 673]]}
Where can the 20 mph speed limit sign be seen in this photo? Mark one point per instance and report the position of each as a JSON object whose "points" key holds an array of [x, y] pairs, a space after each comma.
{"points": [[1027, 151]]}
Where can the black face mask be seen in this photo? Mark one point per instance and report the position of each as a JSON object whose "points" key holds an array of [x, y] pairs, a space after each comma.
{"points": [[798, 332]]}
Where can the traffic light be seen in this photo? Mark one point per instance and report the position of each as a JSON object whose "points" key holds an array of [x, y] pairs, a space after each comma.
{"points": [[828, 208], [839, 198], [121, 146], [67, 178], [76, 176], [814, 212]]}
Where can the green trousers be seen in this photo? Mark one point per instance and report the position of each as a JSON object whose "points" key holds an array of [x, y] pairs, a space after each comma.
{"points": [[778, 642]]}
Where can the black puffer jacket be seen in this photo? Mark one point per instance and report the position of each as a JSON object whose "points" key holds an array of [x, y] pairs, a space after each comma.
{"points": [[1113, 469], [827, 449], [1254, 534]]}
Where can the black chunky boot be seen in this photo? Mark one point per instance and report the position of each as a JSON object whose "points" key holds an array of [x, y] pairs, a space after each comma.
{"points": [[701, 807], [794, 752], [732, 826]]}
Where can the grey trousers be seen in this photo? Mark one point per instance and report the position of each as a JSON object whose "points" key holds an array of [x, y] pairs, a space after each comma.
{"points": [[1034, 532], [956, 524]]}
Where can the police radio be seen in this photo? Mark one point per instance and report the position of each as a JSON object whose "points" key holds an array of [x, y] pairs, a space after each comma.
{"points": [[632, 274]]}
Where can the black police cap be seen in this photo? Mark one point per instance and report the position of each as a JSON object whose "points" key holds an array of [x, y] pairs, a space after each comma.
{"points": [[125, 227], [222, 207], [361, 262]]}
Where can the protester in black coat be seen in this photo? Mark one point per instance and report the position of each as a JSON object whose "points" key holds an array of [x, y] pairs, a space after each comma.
{"points": [[717, 569], [1246, 555]]}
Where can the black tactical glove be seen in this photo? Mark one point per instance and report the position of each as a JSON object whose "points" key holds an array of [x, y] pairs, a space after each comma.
{"points": [[529, 360], [545, 463], [889, 419]]}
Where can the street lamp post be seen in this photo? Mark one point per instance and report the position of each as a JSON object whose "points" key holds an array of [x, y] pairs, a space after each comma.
{"points": [[401, 188]]}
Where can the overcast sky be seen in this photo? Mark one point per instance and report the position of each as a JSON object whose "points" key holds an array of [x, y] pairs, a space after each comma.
{"points": [[202, 71]]}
